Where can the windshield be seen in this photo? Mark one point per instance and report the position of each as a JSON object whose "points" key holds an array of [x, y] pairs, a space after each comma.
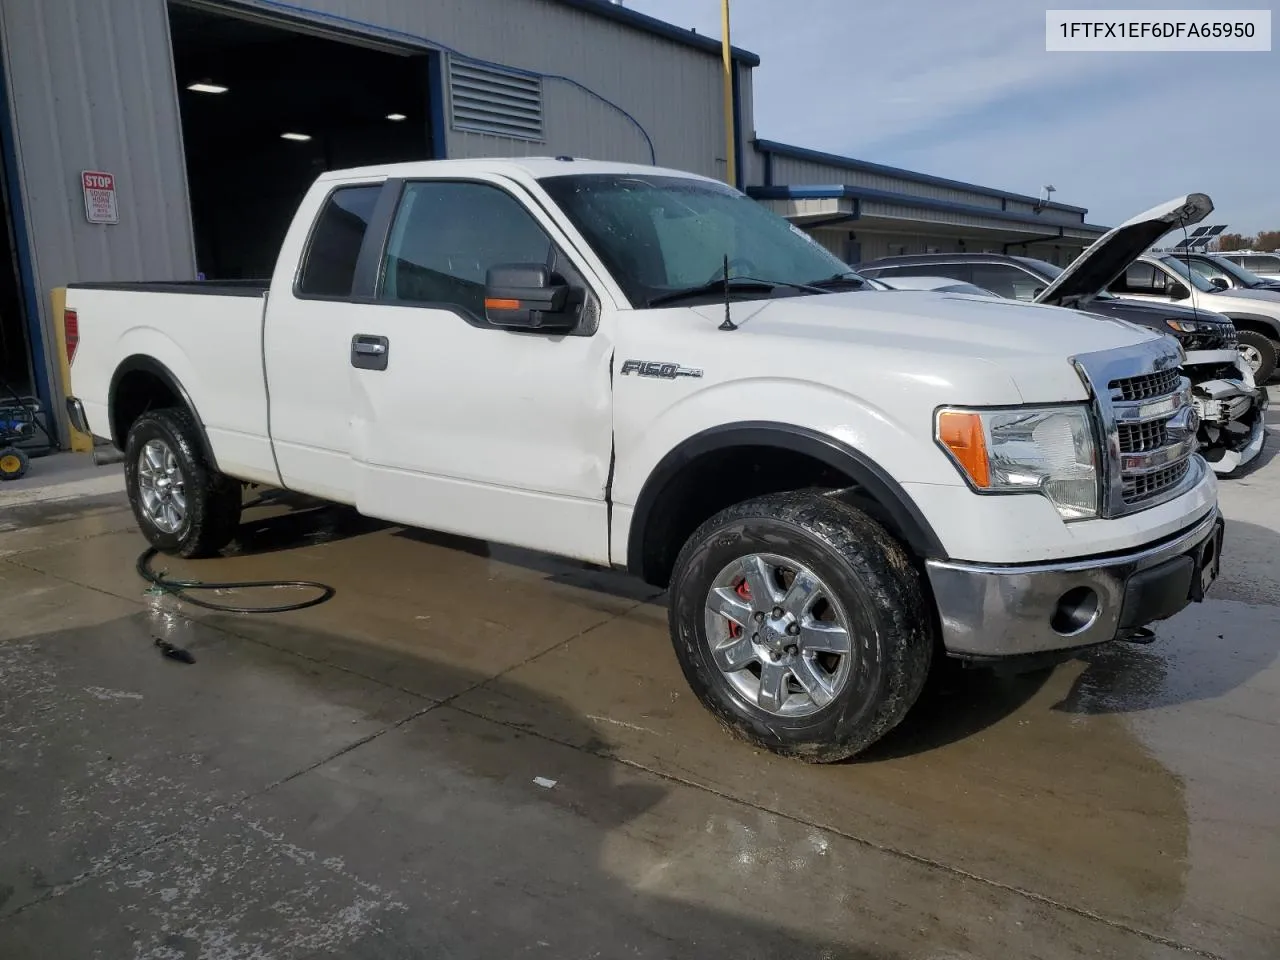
{"points": [[659, 234], [1193, 278]]}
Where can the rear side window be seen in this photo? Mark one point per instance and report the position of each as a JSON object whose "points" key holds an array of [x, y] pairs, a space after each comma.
{"points": [[329, 269]]}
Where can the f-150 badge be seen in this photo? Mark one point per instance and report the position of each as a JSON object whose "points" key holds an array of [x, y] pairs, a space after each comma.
{"points": [[657, 369]]}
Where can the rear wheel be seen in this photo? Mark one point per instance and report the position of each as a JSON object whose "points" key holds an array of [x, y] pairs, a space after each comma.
{"points": [[1259, 352], [801, 624], [182, 505]]}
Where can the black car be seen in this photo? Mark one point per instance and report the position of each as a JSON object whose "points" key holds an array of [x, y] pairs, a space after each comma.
{"points": [[1026, 278]]}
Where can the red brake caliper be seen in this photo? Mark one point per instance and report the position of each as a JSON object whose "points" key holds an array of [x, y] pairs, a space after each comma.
{"points": [[744, 591]]}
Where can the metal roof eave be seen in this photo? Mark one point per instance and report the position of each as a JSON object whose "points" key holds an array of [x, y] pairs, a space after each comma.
{"points": [[833, 191], [866, 166], [648, 24]]}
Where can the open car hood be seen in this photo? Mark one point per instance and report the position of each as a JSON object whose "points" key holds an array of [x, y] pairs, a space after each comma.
{"points": [[1109, 255]]}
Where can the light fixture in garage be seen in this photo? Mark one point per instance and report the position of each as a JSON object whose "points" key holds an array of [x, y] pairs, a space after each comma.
{"points": [[204, 86], [396, 117], [298, 137]]}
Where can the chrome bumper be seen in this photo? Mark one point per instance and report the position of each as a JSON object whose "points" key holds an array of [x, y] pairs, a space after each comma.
{"points": [[1005, 611]]}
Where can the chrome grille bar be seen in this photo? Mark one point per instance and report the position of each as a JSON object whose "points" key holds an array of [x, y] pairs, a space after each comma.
{"points": [[1147, 424]]}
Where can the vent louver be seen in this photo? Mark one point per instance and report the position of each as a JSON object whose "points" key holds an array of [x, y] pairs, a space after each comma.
{"points": [[487, 100]]}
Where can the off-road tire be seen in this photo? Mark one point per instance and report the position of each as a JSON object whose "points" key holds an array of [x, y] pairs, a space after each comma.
{"points": [[870, 571], [1266, 348], [213, 500]]}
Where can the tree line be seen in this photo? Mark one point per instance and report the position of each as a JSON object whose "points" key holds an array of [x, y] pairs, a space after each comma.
{"points": [[1265, 240]]}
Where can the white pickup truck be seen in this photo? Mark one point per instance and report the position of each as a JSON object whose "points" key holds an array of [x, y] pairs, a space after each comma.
{"points": [[643, 368]]}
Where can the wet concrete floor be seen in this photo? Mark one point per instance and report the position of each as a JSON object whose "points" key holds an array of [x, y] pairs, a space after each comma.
{"points": [[476, 752]]}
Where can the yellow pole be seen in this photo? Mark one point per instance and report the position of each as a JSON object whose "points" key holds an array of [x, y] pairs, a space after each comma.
{"points": [[726, 56]]}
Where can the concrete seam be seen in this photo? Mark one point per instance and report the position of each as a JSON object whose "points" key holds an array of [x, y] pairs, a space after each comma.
{"points": [[886, 849]]}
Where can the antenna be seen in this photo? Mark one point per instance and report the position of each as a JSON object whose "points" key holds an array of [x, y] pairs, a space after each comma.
{"points": [[728, 320], [1048, 190]]}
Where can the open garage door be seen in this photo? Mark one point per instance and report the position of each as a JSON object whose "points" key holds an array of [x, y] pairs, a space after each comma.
{"points": [[267, 107]]}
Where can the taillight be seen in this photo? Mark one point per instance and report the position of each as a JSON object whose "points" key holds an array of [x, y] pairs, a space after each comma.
{"points": [[71, 328]]}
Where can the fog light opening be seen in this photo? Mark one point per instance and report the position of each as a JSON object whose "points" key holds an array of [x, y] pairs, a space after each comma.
{"points": [[1076, 611]]}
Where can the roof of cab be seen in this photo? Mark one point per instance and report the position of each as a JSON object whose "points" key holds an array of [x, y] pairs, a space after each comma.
{"points": [[539, 168]]}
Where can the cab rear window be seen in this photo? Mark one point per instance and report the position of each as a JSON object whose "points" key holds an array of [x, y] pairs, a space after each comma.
{"points": [[329, 266]]}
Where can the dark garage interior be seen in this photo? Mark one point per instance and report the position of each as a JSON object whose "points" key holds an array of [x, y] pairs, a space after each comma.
{"points": [[257, 82], [15, 350]]}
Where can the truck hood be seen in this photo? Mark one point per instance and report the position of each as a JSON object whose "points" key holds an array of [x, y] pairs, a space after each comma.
{"points": [[1029, 344], [1108, 256], [1270, 297]]}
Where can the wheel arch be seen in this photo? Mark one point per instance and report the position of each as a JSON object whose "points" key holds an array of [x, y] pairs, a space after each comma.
{"points": [[139, 381], [649, 550], [1254, 321]]}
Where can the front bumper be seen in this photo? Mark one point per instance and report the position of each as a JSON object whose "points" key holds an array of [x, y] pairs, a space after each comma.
{"points": [[990, 611], [1232, 423]]}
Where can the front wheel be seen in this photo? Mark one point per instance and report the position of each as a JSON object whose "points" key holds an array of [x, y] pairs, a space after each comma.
{"points": [[801, 624], [183, 506], [1259, 352]]}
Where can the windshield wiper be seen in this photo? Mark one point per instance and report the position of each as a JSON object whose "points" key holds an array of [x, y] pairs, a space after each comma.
{"points": [[734, 285], [707, 289], [838, 280]]}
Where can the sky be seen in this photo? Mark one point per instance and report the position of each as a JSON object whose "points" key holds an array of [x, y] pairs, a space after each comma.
{"points": [[966, 90]]}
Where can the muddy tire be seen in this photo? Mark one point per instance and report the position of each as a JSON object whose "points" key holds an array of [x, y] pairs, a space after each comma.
{"points": [[801, 624], [182, 505], [1259, 352]]}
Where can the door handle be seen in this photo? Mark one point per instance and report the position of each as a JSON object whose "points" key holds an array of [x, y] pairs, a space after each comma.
{"points": [[369, 352]]}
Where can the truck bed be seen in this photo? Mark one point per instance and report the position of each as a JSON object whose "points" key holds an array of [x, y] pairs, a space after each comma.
{"points": [[204, 336]]}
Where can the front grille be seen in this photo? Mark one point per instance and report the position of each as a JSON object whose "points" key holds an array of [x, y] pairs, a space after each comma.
{"points": [[1147, 485], [1143, 437], [1206, 341], [1146, 386], [1144, 405]]}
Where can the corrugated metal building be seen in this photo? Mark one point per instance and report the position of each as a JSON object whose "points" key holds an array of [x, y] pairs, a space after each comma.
{"points": [[95, 85]]}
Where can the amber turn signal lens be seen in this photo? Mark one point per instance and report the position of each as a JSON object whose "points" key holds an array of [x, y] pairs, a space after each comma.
{"points": [[962, 434], [495, 304]]}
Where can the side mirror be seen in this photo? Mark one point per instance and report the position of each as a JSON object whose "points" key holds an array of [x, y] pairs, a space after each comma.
{"points": [[526, 296], [1178, 291], [1220, 283]]}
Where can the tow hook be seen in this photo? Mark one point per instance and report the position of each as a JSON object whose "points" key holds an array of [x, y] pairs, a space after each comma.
{"points": [[1143, 635]]}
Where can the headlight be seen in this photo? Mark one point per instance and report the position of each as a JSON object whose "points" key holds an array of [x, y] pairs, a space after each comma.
{"points": [[1045, 450], [1193, 326]]}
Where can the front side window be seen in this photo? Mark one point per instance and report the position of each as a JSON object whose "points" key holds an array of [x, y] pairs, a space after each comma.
{"points": [[329, 268], [1206, 269], [1230, 267], [661, 235], [1186, 275], [446, 236]]}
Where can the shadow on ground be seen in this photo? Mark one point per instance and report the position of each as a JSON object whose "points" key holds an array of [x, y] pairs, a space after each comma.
{"points": [[259, 803]]}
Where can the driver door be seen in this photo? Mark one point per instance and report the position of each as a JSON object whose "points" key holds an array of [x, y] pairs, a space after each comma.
{"points": [[464, 427]]}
